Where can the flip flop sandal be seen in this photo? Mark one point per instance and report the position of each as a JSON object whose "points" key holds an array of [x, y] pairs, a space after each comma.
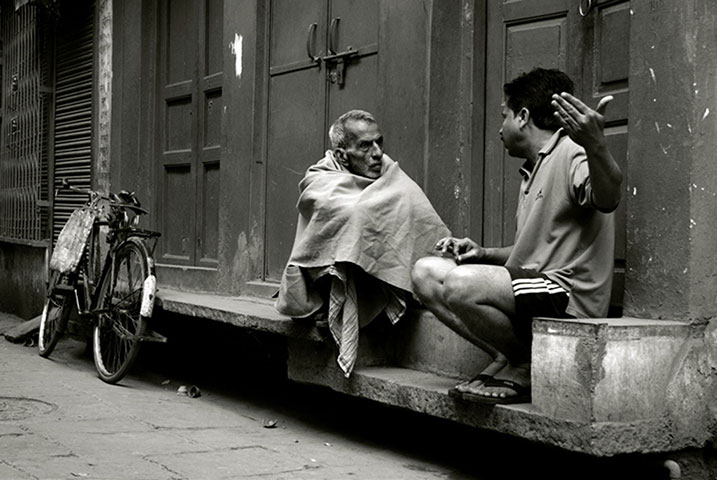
{"points": [[455, 393], [522, 393]]}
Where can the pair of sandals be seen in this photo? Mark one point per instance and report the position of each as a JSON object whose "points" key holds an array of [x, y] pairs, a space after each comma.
{"points": [[522, 393]]}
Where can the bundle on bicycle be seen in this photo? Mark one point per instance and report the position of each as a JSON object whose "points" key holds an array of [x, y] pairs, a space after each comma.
{"points": [[102, 264]]}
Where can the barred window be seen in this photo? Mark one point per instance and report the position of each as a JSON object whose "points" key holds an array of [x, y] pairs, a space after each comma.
{"points": [[24, 121]]}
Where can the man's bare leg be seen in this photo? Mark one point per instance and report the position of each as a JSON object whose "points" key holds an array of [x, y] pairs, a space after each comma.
{"points": [[476, 301], [429, 275]]}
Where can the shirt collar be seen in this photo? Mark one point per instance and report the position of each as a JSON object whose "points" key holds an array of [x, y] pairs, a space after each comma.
{"points": [[527, 168], [552, 143]]}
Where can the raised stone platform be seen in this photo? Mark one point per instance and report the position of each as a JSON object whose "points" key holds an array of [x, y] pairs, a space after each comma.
{"points": [[600, 386]]}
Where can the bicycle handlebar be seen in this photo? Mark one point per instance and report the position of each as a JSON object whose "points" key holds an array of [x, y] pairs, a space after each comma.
{"points": [[124, 200]]}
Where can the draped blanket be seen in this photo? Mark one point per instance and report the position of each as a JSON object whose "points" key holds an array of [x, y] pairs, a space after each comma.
{"points": [[365, 235]]}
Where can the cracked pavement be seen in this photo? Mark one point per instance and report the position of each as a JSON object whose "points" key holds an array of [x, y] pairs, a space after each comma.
{"points": [[59, 420]]}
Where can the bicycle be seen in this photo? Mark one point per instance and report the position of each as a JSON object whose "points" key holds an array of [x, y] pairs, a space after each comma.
{"points": [[113, 286]]}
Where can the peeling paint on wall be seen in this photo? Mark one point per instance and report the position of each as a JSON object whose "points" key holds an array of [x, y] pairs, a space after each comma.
{"points": [[236, 47], [104, 95]]}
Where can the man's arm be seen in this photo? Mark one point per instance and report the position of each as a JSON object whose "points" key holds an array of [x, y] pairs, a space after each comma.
{"points": [[585, 127], [465, 250], [489, 255]]}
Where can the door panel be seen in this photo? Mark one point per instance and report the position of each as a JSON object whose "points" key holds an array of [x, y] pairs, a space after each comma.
{"points": [[290, 29], [296, 140], [522, 35], [177, 182], [358, 27], [305, 97], [606, 63], [189, 127], [593, 50], [359, 92], [181, 39], [178, 130]]}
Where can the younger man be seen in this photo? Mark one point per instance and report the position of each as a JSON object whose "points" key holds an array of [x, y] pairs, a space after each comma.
{"points": [[561, 262]]}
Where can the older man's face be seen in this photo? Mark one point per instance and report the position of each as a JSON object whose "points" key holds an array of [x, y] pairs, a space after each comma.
{"points": [[363, 155]]}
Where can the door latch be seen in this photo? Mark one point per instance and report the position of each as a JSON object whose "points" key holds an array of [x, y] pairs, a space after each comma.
{"points": [[340, 61]]}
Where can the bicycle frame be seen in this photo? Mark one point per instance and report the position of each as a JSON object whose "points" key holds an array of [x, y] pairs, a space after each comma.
{"points": [[104, 261], [97, 260], [89, 280]]}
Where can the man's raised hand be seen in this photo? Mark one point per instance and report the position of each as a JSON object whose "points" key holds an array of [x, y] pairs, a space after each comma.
{"points": [[583, 124]]}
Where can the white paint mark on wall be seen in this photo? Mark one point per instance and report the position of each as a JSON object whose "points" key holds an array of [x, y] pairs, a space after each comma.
{"points": [[634, 191], [692, 223], [652, 74], [236, 48], [707, 112], [657, 127]]}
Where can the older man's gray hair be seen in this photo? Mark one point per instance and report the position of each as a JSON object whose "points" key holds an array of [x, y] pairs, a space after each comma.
{"points": [[338, 135]]}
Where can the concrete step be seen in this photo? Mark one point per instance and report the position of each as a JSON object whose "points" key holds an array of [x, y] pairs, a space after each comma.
{"points": [[599, 386], [245, 312]]}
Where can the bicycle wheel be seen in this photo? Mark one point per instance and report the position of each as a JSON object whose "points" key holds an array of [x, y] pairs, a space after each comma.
{"points": [[119, 328], [56, 312]]}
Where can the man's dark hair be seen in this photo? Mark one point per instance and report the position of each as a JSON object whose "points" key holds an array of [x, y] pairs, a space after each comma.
{"points": [[533, 90]]}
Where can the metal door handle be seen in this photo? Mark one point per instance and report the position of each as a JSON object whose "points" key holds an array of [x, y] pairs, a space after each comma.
{"points": [[332, 34], [311, 43], [585, 10]]}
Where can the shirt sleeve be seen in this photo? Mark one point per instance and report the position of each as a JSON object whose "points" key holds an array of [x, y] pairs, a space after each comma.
{"points": [[581, 191]]}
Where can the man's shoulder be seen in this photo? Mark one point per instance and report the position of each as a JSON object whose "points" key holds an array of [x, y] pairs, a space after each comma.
{"points": [[568, 148]]}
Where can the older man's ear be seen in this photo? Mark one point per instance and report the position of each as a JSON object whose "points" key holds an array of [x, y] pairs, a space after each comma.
{"points": [[340, 155]]}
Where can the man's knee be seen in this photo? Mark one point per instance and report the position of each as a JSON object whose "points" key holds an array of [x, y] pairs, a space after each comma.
{"points": [[422, 274], [425, 274], [460, 286]]}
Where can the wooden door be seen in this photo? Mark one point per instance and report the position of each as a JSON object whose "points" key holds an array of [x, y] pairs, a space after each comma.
{"points": [[189, 131], [593, 48], [604, 38], [296, 117], [306, 93], [522, 35]]}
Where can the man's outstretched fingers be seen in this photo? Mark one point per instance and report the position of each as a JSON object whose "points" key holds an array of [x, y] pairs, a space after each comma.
{"points": [[602, 104], [573, 102]]}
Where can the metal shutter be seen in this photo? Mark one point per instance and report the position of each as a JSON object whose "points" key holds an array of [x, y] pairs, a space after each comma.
{"points": [[74, 80], [24, 124]]}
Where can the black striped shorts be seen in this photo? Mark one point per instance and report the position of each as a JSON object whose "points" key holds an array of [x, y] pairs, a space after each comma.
{"points": [[535, 296]]}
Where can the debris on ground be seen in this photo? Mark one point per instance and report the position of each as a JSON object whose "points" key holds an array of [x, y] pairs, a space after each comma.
{"points": [[19, 333], [191, 391]]}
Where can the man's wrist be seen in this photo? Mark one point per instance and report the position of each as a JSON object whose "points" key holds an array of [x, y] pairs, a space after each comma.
{"points": [[597, 151]]}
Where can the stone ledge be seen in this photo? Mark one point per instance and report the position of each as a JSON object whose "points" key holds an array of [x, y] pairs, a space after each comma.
{"points": [[600, 386], [427, 393], [244, 312]]}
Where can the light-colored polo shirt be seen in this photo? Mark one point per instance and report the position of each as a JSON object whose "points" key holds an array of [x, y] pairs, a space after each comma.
{"points": [[560, 232]]}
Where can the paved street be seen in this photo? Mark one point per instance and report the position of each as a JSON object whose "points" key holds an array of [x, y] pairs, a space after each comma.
{"points": [[58, 420]]}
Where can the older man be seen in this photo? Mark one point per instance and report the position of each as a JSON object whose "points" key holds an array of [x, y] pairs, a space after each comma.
{"points": [[362, 225], [561, 262]]}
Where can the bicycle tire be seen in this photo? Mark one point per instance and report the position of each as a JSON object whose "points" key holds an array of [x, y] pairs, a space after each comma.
{"points": [[55, 313], [116, 337]]}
